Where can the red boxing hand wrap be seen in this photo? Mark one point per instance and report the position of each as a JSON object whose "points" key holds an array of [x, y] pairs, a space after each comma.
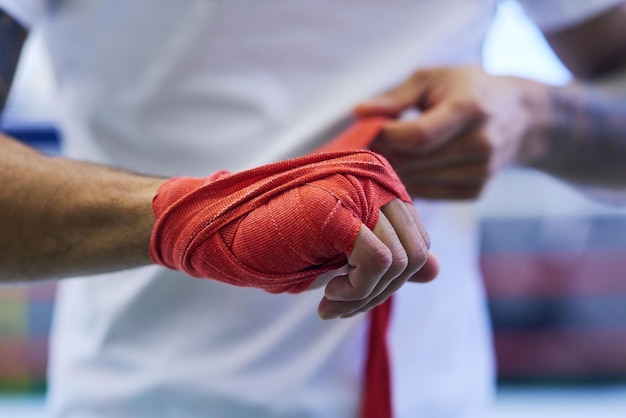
{"points": [[279, 226], [275, 227]]}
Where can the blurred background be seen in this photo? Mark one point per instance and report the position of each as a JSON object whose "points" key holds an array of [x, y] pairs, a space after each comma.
{"points": [[554, 265]]}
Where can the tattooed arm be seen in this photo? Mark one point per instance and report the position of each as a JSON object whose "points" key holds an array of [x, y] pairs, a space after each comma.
{"points": [[472, 123], [582, 134], [583, 139]]}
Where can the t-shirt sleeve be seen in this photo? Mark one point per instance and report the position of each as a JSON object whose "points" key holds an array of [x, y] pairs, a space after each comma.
{"points": [[555, 15], [27, 12]]}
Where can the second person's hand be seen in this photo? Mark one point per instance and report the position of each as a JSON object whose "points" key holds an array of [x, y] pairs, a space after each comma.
{"points": [[470, 125]]}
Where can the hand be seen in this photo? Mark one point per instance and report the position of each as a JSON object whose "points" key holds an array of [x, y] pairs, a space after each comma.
{"points": [[384, 259], [278, 227], [471, 124]]}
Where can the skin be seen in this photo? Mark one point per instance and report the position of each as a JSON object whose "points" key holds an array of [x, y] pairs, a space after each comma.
{"points": [[383, 252], [471, 124], [62, 218]]}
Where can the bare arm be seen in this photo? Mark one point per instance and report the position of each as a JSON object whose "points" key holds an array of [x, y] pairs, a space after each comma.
{"points": [[62, 218]]}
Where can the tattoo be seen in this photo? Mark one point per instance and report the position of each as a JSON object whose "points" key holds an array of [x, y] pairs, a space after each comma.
{"points": [[587, 144], [12, 36]]}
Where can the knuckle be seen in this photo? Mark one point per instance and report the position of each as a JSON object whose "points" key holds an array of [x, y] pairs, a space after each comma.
{"points": [[426, 237], [481, 172], [420, 136], [418, 76], [478, 191], [491, 171], [485, 144], [418, 257], [375, 302], [400, 262], [361, 293], [471, 109], [394, 287], [473, 193], [350, 308], [341, 308], [381, 258]]}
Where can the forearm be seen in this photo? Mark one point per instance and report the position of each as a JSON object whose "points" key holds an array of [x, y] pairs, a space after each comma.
{"points": [[62, 218], [578, 133]]}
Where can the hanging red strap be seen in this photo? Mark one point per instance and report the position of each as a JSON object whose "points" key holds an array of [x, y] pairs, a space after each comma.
{"points": [[376, 398]]}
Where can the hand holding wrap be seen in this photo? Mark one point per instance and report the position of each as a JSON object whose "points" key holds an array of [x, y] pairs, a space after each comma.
{"points": [[275, 227]]}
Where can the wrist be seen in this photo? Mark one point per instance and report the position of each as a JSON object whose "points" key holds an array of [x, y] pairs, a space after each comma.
{"points": [[108, 211], [537, 118]]}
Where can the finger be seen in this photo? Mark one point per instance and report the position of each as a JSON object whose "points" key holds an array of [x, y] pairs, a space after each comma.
{"points": [[414, 243], [389, 231], [435, 162], [430, 269], [385, 231], [428, 272], [391, 289], [463, 175], [467, 148], [413, 212], [394, 101], [368, 262], [324, 278], [447, 192], [465, 181], [410, 232], [433, 129]]}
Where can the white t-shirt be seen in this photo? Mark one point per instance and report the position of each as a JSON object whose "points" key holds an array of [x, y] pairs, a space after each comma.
{"points": [[192, 86]]}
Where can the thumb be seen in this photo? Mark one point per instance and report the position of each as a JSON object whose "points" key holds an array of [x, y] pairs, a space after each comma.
{"points": [[392, 102]]}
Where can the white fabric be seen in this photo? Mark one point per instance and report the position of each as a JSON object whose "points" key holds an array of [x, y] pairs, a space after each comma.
{"points": [[192, 86], [555, 15], [160, 88], [26, 12]]}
